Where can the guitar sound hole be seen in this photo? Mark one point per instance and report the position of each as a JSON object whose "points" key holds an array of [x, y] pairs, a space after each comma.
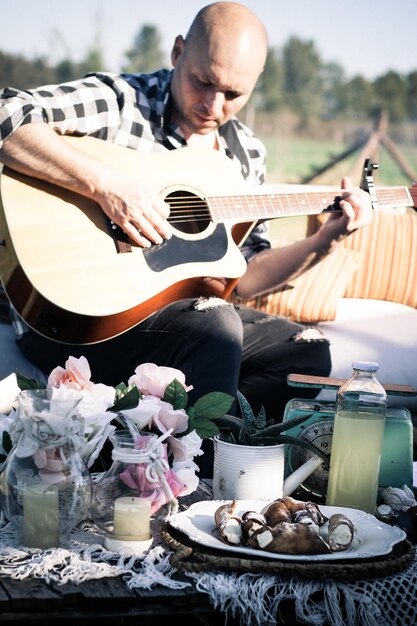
{"points": [[189, 213]]}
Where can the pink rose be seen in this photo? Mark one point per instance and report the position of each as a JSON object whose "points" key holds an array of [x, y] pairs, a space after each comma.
{"points": [[135, 477], [185, 448], [51, 466], [144, 413], [153, 379], [76, 374]]}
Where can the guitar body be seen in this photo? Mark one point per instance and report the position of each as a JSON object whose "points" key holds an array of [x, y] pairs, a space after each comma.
{"points": [[61, 266]]}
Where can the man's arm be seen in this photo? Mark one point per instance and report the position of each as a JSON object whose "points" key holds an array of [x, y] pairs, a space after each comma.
{"points": [[36, 150], [275, 267], [96, 105]]}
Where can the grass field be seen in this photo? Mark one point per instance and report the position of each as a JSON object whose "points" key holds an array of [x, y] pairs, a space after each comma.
{"points": [[291, 161]]}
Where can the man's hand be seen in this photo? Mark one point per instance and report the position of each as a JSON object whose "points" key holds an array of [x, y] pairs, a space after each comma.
{"points": [[36, 150], [140, 213], [356, 212]]}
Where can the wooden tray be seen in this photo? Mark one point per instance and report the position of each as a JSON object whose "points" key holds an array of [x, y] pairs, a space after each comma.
{"points": [[192, 557]]}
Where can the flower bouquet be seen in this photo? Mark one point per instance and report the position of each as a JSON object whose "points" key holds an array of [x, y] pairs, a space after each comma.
{"points": [[154, 400]]}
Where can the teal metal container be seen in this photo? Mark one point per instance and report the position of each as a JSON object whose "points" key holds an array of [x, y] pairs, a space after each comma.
{"points": [[396, 469]]}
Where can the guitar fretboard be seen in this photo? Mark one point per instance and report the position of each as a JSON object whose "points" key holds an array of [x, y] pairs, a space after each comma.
{"points": [[262, 206]]}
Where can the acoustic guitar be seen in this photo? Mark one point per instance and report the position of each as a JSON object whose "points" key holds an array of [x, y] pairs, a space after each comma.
{"points": [[74, 278]]}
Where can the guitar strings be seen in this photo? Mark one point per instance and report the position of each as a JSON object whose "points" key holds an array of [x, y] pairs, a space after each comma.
{"points": [[188, 208]]}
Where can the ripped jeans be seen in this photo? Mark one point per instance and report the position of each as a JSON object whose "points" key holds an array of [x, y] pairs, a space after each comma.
{"points": [[219, 348]]}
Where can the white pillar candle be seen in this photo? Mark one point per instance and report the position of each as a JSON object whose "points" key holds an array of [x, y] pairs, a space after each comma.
{"points": [[132, 518], [41, 517]]}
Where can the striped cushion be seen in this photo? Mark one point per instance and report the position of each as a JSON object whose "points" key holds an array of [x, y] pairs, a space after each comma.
{"points": [[376, 262], [388, 268], [313, 296]]}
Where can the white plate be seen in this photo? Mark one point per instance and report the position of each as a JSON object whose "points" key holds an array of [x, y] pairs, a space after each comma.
{"points": [[373, 538]]}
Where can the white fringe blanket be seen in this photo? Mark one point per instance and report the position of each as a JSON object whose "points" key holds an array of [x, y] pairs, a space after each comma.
{"points": [[389, 601]]}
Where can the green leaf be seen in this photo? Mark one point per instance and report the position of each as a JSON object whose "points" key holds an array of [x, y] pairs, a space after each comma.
{"points": [[294, 421], [295, 441], [125, 398], [251, 424], [28, 383], [276, 430], [249, 419], [260, 421], [190, 412], [229, 437], [229, 422], [213, 405], [204, 427], [176, 395], [245, 407], [243, 435]]}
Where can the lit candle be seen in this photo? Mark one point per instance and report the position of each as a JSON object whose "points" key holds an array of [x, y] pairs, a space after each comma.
{"points": [[132, 518], [41, 517]]}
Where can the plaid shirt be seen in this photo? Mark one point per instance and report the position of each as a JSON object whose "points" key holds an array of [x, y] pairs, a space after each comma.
{"points": [[131, 110]]}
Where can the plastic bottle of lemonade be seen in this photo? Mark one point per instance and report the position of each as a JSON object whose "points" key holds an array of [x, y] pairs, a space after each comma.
{"points": [[357, 440]]}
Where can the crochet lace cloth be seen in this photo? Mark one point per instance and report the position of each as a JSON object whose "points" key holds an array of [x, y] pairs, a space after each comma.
{"points": [[82, 558]]}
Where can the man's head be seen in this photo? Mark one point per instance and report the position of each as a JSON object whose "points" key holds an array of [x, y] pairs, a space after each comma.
{"points": [[216, 67]]}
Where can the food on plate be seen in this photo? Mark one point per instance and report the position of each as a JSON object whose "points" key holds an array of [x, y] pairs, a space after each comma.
{"points": [[285, 526], [288, 509], [228, 525], [341, 532], [289, 538], [291, 504], [277, 512], [251, 522]]}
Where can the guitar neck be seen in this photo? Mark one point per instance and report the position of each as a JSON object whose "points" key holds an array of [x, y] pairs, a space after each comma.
{"points": [[239, 208]]}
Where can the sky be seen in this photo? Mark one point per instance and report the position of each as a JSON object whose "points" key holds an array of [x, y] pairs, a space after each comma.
{"points": [[368, 37]]}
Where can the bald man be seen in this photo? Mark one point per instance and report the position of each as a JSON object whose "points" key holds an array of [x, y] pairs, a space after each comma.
{"points": [[219, 347]]}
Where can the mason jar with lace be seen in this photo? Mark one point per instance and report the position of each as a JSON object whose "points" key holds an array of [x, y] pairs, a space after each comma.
{"points": [[45, 485], [134, 492]]}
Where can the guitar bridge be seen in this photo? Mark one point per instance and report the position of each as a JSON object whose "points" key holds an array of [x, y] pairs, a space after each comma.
{"points": [[121, 240]]}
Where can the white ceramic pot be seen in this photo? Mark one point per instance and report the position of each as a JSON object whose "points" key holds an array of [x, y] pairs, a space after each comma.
{"points": [[247, 472]]}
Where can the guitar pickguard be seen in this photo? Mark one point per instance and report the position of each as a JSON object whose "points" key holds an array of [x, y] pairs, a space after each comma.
{"points": [[178, 251]]}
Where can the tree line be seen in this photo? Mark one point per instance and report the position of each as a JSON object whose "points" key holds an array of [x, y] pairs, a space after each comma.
{"points": [[295, 78]]}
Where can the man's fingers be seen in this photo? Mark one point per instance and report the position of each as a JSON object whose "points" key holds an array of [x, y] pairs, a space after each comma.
{"points": [[346, 182]]}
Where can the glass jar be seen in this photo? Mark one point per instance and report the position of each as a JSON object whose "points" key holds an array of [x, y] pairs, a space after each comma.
{"points": [[357, 440], [45, 485], [133, 492]]}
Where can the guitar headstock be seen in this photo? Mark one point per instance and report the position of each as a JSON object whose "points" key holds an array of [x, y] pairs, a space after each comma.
{"points": [[413, 194], [367, 181], [400, 196]]}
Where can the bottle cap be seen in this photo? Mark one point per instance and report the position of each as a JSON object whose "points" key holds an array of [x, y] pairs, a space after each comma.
{"points": [[367, 366]]}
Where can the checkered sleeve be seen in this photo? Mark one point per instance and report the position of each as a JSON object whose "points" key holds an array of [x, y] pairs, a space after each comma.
{"points": [[89, 106]]}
